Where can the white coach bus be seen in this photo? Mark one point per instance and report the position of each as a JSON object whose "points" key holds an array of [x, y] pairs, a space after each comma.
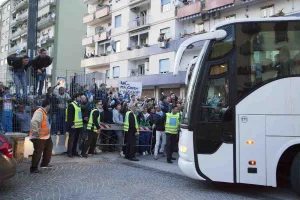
{"points": [[241, 122]]}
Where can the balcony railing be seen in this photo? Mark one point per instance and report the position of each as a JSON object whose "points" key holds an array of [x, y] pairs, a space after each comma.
{"points": [[44, 21], [88, 41], [102, 36], [19, 18], [20, 5], [188, 10], [139, 22], [45, 3], [88, 18], [20, 31], [102, 12], [16, 47], [90, 1]]}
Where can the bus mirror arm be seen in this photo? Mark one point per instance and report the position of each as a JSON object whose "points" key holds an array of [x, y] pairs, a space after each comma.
{"points": [[215, 35]]}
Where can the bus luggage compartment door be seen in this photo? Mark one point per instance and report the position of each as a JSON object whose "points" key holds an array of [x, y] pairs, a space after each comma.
{"points": [[252, 146]]}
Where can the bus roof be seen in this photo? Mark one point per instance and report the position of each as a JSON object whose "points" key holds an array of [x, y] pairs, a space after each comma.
{"points": [[271, 19]]}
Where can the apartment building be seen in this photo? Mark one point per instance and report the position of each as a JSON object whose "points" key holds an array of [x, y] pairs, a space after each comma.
{"points": [[4, 42], [58, 31], [124, 37]]}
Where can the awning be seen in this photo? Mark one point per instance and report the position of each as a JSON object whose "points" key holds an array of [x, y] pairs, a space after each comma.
{"points": [[190, 17], [293, 15], [221, 8]]}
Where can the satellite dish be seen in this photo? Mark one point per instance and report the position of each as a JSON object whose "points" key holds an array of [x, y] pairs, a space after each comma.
{"points": [[53, 15], [109, 49]]}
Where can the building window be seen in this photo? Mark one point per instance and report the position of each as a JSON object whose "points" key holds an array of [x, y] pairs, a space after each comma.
{"points": [[165, 5], [116, 72], [166, 31], [6, 47], [2, 62], [108, 73], [118, 20], [163, 66], [2, 49], [141, 69], [267, 11], [199, 28], [230, 17], [118, 46]]}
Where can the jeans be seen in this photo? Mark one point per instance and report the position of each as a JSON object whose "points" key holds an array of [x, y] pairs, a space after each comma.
{"points": [[41, 147], [120, 139], [61, 121], [53, 124], [7, 119], [160, 134], [145, 137], [20, 78], [40, 79]]}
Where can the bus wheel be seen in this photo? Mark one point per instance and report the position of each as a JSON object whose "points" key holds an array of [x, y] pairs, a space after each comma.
{"points": [[295, 174]]}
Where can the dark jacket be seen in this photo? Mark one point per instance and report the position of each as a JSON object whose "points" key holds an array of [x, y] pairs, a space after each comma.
{"points": [[16, 62], [86, 110], [38, 63], [132, 128]]}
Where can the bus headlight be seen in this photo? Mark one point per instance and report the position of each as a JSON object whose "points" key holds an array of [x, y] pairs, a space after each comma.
{"points": [[183, 149]]}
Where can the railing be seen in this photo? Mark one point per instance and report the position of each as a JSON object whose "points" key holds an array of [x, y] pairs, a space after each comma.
{"points": [[45, 20], [16, 47], [188, 10], [102, 12], [20, 4], [19, 18], [88, 17], [87, 40], [139, 22], [45, 3], [20, 31]]}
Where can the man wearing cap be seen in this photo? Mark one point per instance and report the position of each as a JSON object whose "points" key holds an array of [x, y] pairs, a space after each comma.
{"points": [[131, 131], [40, 137]]}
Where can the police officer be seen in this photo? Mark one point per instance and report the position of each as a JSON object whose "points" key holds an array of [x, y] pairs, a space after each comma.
{"points": [[172, 125], [131, 131], [93, 129], [74, 124]]}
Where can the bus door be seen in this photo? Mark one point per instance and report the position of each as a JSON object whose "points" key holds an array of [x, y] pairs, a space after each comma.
{"points": [[214, 129]]}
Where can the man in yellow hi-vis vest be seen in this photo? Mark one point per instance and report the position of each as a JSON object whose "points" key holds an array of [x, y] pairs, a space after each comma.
{"points": [[74, 124], [93, 129], [171, 128], [131, 129]]}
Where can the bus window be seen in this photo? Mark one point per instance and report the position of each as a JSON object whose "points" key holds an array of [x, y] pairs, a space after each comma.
{"points": [[224, 46], [215, 100], [270, 52], [218, 69]]}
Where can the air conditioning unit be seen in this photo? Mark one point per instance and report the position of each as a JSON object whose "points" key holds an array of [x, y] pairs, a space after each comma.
{"points": [[162, 45], [216, 15], [205, 17]]}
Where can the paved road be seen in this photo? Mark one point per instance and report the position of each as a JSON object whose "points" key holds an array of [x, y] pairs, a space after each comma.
{"points": [[109, 177]]}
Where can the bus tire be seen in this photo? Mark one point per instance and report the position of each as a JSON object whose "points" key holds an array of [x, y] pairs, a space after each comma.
{"points": [[295, 174]]}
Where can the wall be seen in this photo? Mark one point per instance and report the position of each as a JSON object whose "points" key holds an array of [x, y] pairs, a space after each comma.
{"points": [[154, 62], [69, 32]]}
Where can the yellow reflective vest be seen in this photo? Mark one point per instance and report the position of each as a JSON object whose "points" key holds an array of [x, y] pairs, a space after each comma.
{"points": [[172, 123], [126, 124], [91, 126]]}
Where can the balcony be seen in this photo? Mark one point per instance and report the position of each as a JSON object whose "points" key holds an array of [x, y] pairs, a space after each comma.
{"points": [[88, 41], [89, 18], [103, 12], [139, 22], [20, 6], [95, 62], [45, 3], [19, 19], [101, 36], [46, 40], [18, 33], [138, 3], [90, 1], [18, 47], [45, 22], [189, 10]]}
